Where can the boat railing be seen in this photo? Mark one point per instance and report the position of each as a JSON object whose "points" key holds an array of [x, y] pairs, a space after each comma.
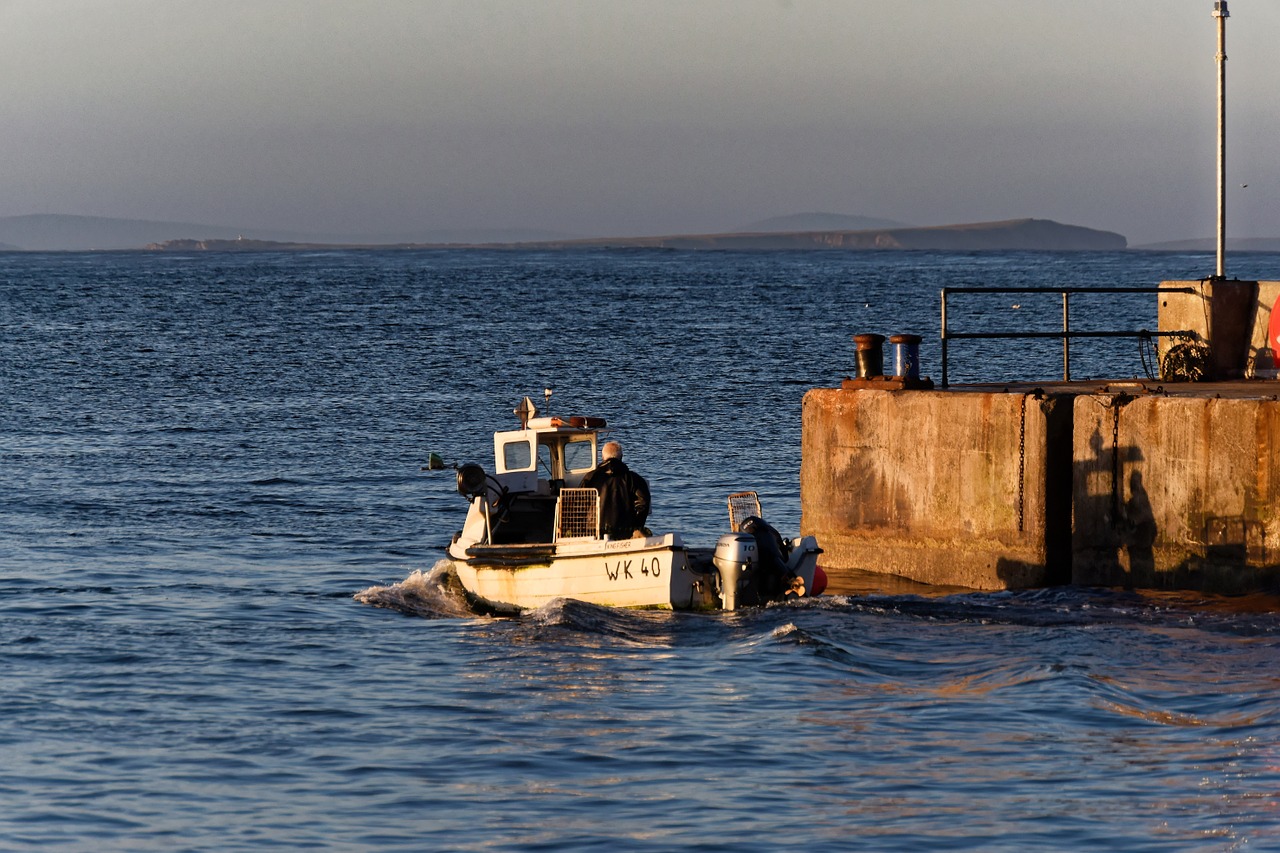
{"points": [[578, 514], [1067, 334]]}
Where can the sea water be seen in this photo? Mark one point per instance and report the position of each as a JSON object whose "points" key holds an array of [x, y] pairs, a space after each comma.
{"points": [[223, 625]]}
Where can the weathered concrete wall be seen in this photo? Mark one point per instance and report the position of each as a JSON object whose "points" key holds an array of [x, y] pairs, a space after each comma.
{"points": [[970, 488], [1155, 488], [1177, 491], [1232, 317]]}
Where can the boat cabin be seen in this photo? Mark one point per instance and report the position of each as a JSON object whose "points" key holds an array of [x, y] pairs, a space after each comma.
{"points": [[549, 454], [533, 467]]}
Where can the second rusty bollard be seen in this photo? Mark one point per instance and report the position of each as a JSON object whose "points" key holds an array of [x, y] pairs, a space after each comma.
{"points": [[906, 356]]}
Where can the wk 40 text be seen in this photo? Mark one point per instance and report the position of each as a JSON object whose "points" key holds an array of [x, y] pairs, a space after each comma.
{"points": [[628, 569]]}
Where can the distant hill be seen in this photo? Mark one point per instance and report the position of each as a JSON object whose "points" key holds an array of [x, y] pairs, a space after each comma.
{"points": [[819, 222], [55, 232], [1210, 244], [244, 244], [52, 232], [1012, 235], [453, 235]]}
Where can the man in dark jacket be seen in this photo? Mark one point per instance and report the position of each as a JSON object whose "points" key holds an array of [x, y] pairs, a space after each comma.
{"points": [[624, 494]]}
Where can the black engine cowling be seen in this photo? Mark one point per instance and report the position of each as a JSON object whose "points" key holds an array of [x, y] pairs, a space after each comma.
{"points": [[770, 579]]}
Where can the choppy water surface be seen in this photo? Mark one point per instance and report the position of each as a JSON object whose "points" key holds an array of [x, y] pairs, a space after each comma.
{"points": [[222, 625]]}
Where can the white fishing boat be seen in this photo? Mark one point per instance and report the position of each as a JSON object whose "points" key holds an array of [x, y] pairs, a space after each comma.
{"points": [[533, 534]]}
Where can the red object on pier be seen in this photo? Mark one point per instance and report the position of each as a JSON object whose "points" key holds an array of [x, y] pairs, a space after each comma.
{"points": [[1273, 334]]}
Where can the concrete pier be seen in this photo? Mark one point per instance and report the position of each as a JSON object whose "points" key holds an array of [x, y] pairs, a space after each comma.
{"points": [[956, 489], [1158, 484]]}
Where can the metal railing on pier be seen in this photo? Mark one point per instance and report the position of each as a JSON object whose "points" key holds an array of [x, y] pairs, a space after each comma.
{"points": [[1067, 333]]}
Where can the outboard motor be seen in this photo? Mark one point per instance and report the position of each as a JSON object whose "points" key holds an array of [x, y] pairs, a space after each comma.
{"points": [[771, 580], [735, 555]]}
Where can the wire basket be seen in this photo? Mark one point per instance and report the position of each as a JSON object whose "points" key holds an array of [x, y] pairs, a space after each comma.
{"points": [[578, 514], [743, 505]]}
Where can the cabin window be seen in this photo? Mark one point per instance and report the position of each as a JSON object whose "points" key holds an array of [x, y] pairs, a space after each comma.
{"points": [[516, 456], [544, 461], [579, 455]]}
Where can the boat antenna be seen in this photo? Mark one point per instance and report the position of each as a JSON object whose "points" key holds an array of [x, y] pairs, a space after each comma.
{"points": [[1220, 12], [546, 399]]}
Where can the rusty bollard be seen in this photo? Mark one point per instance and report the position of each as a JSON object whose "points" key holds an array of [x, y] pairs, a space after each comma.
{"points": [[870, 355]]}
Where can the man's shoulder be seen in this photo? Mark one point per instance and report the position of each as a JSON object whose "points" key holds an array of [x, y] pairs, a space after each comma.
{"points": [[597, 474]]}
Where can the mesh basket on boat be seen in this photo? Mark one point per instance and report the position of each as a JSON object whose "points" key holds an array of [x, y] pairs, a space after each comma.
{"points": [[743, 505], [577, 514]]}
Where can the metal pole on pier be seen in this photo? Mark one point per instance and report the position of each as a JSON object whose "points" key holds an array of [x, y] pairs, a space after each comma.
{"points": [[1220, 12]]}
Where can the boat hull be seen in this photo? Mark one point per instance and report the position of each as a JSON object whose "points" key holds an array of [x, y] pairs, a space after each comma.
{"points": [[653, 572]]}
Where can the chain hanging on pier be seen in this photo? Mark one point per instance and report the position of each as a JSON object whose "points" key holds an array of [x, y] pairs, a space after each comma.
{"points": [[1022, 460], [1118, 402], [1115, 461]]}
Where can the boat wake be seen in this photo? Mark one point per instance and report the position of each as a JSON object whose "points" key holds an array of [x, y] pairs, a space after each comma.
{"points": [[568, 617], [435, 594], [1065, 607]]}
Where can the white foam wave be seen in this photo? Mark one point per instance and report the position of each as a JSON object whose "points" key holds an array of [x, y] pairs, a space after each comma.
{"points": [[434, 594]]}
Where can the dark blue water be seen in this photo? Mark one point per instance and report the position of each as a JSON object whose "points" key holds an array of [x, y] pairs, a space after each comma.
{"points": [[204, 459]]}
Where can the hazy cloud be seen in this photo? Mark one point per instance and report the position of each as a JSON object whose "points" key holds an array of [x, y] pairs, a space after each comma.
{"points": [[632, 117]]}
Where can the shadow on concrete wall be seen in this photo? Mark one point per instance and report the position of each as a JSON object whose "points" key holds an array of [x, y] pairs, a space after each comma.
{"points": [[1115, 528], [1137, 526], [1117, 540], [1106, 534]]}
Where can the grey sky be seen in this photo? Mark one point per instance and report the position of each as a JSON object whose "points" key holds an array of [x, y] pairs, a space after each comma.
{"points": [[635, 116]]}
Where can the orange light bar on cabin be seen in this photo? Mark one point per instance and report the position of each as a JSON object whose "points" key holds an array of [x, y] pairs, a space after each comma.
{"points": [[577, 422]]}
